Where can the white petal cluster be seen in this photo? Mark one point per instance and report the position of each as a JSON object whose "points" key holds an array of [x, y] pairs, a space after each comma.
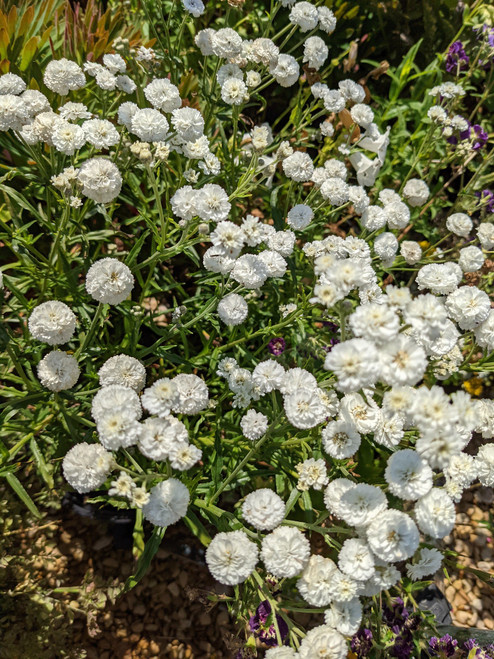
{"points": [[52, 322], [231, 557], [168, 502], [125, 370], [285, 552], [58, 371], [109, 281], [86, 466], [263, 509]]}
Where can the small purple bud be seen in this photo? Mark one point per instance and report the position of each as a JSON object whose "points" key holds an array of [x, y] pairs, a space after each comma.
{"points": [[277, 346]]}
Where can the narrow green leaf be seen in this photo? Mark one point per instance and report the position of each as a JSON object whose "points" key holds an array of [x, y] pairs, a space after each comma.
{"points": [[18, 488]]}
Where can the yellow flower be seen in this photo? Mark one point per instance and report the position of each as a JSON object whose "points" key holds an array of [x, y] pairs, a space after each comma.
{"points": [[474, 386]]}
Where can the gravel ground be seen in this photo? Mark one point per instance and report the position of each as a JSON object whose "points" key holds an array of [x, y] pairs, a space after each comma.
{"points": [[168, 614]]}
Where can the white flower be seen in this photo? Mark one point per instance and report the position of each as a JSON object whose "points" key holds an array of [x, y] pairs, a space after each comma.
{"points": [[109, 281], [100, 133], [231, 557], [299, 217], [125, 113], [374, 218], [212, 203], [105, 79], [471, 259], [333, 100], [298, 167], [315, 52], [411, 251], [459, 224], [183, 456], [194, 7], [228, 235], [226, 43], [188, 123], [35, 102], [160, 397], [355, 559], [441, 278], [268, 375], [234, 91], [469, 306], [254, 425], [359, 505], [362, 114], [305, 15], [11, 84], [14, 114], [485, 234], [402, 361], [355, 364], [285, 552], [113, 398], [345, 617], [364, 417], [428, 563], [250, 271], [327, 20], [352, 91], [435, 513], [139, 497], [163, 95], [58, 371], [204, 41], [311, 473], [408, 475], [281, 652], [168, 502], [384, 578], [274, 263], [149, 125], [393, 536], [252, 79], [62, 76], [118, 428], [333, 493], [340, 440], [101, 180], [485, 464], [398, 214], [263, 509], [295, 379], [86, 466], [233, 309], [285, 70], [125, 370], [484, 333], [335, 190], [416, 192], [52, 322], [375, 322], [305, 408], [159, 435], [323, 641], [193, 394], [315, 583], [67, 138], [114, 63]]}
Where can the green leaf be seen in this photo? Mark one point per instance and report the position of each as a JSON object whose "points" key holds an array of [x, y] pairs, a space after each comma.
{"points": [[18, 488], [197, 528], [44, 469], [150, 549]]}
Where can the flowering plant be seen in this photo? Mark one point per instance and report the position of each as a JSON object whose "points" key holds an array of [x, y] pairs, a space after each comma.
{"points": [[267, 329]]}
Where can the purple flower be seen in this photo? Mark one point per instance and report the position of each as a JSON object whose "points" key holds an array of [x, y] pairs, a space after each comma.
{"points": [[456, 58], [260, 627], [443, 647], [480, 138], [487, 199], [361, 643], [277, 346]]}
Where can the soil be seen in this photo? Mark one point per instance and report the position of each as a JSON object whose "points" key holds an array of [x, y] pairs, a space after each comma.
{"points": [[72, 560]]}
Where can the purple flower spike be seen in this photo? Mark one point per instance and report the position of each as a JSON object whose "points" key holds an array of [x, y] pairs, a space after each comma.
{"points": [[443, 647], [277, 346], [361, 643], [456, 58]]}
